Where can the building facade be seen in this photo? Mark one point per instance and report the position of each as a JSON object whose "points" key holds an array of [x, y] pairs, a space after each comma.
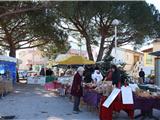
{"points": [[132, 59], [149, 60], [31, 58]]}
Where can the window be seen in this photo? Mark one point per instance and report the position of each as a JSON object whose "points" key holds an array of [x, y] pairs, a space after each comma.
{"points": [[148, 59]]}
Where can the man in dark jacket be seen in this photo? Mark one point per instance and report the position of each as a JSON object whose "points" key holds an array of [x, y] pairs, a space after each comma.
{"points": [[142, 75], [76, 89]]}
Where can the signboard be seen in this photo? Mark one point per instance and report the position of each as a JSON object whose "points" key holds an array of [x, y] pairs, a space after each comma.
{"points": [[111, 97], [127, 96], [36, 80]]}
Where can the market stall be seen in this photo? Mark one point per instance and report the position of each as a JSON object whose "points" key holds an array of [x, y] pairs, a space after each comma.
{"points": [[8, 68], [75, 60], [7, 74], [144, 100], [66, 80]]}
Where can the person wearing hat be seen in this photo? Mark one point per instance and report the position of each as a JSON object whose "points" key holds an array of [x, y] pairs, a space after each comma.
{"points": [[76, 89]]}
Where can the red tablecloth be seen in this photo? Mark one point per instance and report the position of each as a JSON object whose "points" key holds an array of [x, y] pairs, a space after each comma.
{"points": [[117, 105], [52, 85]]}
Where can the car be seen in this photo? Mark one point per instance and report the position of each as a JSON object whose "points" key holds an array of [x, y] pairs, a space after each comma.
{"points": [[22, 74], [32, 73]]}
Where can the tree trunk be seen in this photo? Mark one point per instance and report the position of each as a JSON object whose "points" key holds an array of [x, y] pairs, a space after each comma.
{"points": [[87, 38], [12, 52], [88, 47], [101, 50], [110, 47], [9, 41]]}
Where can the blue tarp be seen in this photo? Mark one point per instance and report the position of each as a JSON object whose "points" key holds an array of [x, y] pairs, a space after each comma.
{"points": [[10, 67]]}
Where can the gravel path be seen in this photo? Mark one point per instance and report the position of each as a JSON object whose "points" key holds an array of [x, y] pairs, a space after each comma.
{"points": [[32, 102]]}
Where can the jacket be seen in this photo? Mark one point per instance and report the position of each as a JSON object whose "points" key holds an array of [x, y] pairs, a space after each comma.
{"points": [[76, 89], [116, 77]]}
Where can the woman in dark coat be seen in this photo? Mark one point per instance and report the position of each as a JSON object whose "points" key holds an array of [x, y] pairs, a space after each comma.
{"points": [[116, 79], [76, 89]]}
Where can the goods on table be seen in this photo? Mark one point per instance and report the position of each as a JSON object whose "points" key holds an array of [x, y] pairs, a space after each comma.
{"points": [[5, 87], [142, 93], [146, 93], [104, 87], [65, 80], [90, 85], [36, 80]]}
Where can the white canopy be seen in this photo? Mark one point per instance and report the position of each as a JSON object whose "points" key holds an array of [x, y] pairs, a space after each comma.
{"points": [[6, 58]]}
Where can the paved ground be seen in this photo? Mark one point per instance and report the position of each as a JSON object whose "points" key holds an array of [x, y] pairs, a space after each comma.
{"points": [[30, 102]]}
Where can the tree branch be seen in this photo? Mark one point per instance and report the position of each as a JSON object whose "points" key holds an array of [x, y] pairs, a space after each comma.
{"points": [[22, 33], [2, 38], [101, 21], [4, 7], [110, 47], [97, 21], [122, 41], [21, 11], [34, 45], [18, 25], [28, 41], [4, 45], [76, 25], [67, 28]]}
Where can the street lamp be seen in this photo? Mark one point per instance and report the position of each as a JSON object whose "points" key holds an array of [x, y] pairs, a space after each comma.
{"points": [[115, 23]]}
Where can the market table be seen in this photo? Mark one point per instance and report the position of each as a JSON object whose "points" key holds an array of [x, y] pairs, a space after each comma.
{"points": [[117, 105], [91, 97], [146, 105]]}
